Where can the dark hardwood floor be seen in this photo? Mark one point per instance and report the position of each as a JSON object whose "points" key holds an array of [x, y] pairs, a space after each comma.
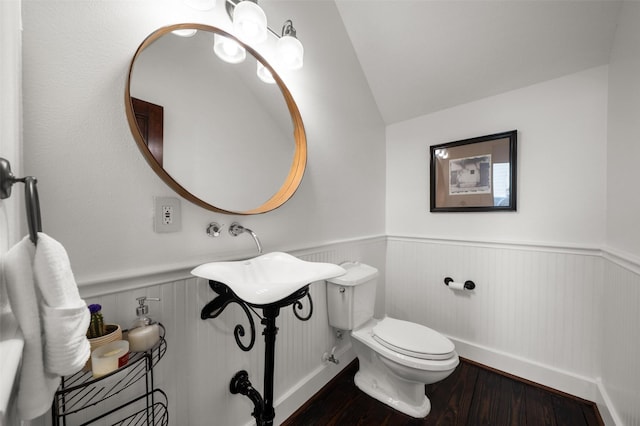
{"points": [[473, 395]]}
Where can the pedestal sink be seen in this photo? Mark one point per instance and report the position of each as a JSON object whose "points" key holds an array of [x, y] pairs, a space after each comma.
{"points": [[268, 282]]}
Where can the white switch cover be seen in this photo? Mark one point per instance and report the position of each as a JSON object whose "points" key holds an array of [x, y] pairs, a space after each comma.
{"points": [[167, 215]]}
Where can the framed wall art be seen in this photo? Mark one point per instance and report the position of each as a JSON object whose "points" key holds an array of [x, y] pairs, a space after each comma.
{"points": [[477, 174]]}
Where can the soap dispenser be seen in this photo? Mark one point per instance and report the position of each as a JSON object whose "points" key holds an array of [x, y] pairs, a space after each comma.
{"points": [[144, 333]]}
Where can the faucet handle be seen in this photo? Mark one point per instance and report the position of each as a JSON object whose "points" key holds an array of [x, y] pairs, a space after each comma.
{"points": [[236, 229], [213, 230]]}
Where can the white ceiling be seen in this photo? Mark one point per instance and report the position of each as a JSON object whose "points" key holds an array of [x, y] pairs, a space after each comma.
{"points": [[421, 56]]}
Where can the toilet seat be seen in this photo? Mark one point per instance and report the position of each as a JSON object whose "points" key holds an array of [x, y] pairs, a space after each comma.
{"points": [[412, 339]]}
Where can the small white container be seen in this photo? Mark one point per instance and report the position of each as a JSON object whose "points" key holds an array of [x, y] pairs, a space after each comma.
{"points": [[143, 338], [114, 332], [109, 358]]}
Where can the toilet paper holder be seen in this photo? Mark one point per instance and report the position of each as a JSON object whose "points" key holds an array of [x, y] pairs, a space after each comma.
{"points": [[468, 285]]}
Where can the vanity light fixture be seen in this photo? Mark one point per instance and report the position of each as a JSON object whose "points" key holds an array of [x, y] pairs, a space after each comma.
{"points": [[249, 21], [250, 25], [228, 50]]}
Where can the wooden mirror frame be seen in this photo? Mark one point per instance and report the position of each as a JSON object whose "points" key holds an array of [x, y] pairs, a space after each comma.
{"points": [[299, 162]]}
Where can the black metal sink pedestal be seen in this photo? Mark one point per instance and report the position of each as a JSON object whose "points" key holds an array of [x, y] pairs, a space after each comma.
{"points": [[263, 412]]}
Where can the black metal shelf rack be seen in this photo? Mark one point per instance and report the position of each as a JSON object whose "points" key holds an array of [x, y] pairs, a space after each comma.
{"points": [[81, 390]]}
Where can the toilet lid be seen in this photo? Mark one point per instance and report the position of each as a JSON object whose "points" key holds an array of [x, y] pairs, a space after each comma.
{"points": [[412, 339]]}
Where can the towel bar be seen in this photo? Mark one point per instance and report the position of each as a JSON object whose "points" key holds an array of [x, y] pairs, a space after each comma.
{"points": [[31, 198]]}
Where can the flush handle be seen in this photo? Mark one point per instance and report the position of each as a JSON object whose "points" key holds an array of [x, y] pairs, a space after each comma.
{"points": [[342, 289]]}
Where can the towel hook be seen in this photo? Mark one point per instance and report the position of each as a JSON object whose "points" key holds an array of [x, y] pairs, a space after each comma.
{"points": [[31, 199]]}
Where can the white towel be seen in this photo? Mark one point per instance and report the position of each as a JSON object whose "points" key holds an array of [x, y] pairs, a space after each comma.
{"points": [[53, 274], [35, 386], [65, 316], [66, 348]]}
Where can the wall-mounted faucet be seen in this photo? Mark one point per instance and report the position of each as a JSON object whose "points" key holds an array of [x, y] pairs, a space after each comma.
{"points": [[236, 229]]}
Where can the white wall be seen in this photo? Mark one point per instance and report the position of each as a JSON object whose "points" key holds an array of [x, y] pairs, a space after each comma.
{"points": [[623, 150], [621, 366], [96, 189], [620, 342], [561, 164], [11, 118], [11, 209]]}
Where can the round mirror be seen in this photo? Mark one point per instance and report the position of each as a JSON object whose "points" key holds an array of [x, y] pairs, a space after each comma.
{"points": [[214, 131]]}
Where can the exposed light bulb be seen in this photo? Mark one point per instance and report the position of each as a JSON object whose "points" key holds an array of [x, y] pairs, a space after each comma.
{"points": [[185, 33], [228, 50], [290, 52], [264, 74], [250, 22]]}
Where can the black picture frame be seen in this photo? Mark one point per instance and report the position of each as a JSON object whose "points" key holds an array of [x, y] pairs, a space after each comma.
{"points": [[475, 175]]}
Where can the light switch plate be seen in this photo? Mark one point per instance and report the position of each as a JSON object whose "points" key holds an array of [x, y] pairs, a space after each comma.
{"points": [[167, 215]]}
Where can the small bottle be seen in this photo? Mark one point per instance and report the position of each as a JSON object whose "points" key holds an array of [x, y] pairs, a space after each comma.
{"points": [[144, 333]]}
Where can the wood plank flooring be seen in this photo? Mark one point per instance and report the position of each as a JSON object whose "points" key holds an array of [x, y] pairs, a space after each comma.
{"points": [[473, 395]]}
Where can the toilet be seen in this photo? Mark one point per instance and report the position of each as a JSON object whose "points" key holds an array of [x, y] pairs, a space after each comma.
{"points": [[397, 358]]}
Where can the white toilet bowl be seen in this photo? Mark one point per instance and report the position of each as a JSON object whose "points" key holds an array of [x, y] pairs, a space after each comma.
{"points": [[397, 358], [397, 379]]}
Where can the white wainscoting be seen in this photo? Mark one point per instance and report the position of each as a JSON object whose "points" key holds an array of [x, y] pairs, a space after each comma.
{"points": [[539, 304], [550, 314], [202, 356], [566, 317], [620, 376]]}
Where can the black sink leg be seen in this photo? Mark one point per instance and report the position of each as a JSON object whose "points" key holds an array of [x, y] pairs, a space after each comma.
{"points": [[270, 331], [240, 384], [263, 408]]}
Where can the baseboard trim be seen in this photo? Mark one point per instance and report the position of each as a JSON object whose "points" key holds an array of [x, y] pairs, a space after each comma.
{"points": [[547, 376], [607, 408]]}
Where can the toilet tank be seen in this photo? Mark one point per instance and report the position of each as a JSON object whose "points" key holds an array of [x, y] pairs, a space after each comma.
{"points": [[351, 297]]}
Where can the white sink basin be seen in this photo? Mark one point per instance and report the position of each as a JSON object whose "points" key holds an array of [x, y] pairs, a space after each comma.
{"points": [[268, 278]]}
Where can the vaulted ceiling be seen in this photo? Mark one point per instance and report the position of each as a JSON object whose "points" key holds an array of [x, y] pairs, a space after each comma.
{"points": [[421, 56]]}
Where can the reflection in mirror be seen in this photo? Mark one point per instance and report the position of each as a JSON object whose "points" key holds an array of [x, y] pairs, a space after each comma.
{"points": [[228, 141], [150, 121]]}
